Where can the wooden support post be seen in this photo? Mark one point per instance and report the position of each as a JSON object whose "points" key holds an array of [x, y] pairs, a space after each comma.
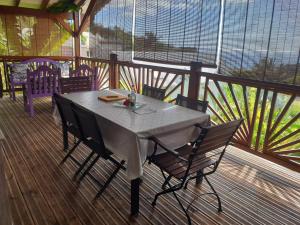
{"points": [[194, 83], [76, 38], [113, 71]]}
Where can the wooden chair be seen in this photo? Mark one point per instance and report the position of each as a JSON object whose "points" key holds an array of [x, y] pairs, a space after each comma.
{"points": [[86, 71], [154, 92], [92, 137], [191, 103], [75, 84], [185, 162], [42, 82], [31, 65]]}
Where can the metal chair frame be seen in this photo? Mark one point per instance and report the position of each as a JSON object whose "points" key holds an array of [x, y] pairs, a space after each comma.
{"points": [[196, 150], [92, 137], [199, 105]]}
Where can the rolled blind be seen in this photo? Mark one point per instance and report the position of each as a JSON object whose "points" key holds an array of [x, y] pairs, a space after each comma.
{"points": [[32, 36], [178, 32], [111, 29], [261, 40]]}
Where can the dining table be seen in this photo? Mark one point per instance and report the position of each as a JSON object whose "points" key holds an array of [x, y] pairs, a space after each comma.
{"points": [[126, 131]]}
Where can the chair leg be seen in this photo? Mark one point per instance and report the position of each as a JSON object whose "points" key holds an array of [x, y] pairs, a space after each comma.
{"points": [[83, 165], [199, 178], [70, 152], [169, 190], [88, 169], [110, 179], [13, 93], [166, 182], [215, 193], [30, 105]]}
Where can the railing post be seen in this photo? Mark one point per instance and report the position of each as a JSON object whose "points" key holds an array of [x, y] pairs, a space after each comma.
{"points": [[194, 83], [113, 71]]}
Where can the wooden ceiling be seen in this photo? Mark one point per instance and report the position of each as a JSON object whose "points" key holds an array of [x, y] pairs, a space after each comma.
{"points": [[38, 8], [34, 4]]}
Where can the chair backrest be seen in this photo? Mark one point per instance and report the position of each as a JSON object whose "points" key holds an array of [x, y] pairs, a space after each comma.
{"points": [[212, 143], [154, 92], [191, 103], [65, 111], [75, 84], [35, 63], [89, 129], [85, 71], [43, 81]]}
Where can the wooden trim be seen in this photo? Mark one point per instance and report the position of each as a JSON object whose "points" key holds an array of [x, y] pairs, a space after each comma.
{"points": [[87, 14], [21, 58], [76, 38], [113, 72], [79, 2], [42, 13], [61, 22], [194, 84], [282, 88], [44, 4]]}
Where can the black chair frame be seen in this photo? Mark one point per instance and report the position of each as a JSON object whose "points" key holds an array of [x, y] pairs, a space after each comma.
{"points": [[95, 142], [154, 92], [69, 124], [199, 105], [189, 159]]}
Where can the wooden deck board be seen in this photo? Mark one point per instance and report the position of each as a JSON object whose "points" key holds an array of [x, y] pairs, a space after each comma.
{"points": [[40, 191]]}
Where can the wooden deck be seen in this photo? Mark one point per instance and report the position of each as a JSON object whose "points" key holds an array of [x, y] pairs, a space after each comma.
{"points": [[253, 190]]}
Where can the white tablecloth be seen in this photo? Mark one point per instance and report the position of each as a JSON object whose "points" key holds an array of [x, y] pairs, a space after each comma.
{"points": [[126, 133]]}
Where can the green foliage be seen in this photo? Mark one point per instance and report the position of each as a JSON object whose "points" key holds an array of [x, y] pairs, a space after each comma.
{"points": [[251, 93], [63, 6]]}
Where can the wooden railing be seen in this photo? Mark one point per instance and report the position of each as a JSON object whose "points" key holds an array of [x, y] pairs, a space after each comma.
{"points": [[271, 126], [271, 114], [4, 87]]}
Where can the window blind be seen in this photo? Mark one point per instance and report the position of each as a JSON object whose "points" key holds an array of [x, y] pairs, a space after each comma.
{"points": [[32, 36], [261, 40], [178, 32], [111, 29]]}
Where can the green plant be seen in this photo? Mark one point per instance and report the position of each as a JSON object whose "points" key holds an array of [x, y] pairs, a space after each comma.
{"points": [[63, 6]]}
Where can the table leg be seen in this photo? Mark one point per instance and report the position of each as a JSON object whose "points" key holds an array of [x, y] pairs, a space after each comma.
{"points": [[135, 195], [199, 177]]}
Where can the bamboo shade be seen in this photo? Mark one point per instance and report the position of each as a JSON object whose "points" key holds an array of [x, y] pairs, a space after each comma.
{"points": [[32, 36], [111, 29], [177, 32], [261, 40]]}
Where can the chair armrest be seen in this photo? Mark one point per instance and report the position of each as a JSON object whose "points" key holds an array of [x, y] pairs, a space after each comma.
{"points": [[164, 147]]}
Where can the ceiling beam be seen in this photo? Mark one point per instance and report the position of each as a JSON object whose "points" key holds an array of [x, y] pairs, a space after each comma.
{"points": [[44, 4], [79, 2], [85, 18], [31, 12], [61, 22]]}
